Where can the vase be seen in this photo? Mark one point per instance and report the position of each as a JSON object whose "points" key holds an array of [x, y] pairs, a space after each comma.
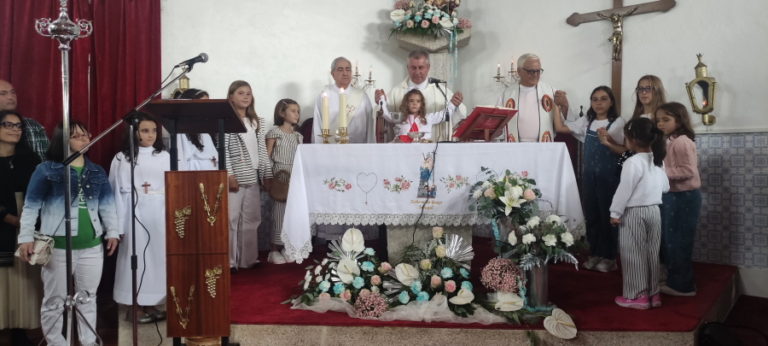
{"points": [[537, 286]]}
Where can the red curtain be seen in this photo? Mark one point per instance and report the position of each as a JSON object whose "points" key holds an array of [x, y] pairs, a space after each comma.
{"points": [[111, 71]]}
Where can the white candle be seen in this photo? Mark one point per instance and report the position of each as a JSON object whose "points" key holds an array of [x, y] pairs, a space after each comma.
{"points": [[356, 73], [324, 111], [370, 73], [512, 65], [498, 69], [342, 108]]}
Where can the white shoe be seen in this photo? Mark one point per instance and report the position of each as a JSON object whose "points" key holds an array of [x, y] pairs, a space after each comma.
{"points": [[275, 257], [606, 265], [286, 257], [591, 262]]}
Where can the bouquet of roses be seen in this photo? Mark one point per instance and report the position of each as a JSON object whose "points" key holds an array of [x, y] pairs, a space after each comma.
{"points": [[432, 17], [438, 271]]}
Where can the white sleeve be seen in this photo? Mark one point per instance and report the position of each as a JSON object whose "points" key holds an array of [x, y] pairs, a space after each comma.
{"points": [[617, 130], [370, 120], [120, 198], [578, 128], [630, 176]]}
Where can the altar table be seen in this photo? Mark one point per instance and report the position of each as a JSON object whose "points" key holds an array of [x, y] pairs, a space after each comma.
{"points": [[371, 184]]}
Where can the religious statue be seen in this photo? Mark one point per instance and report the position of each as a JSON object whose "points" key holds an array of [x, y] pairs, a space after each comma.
{"points": [[617, 19]]}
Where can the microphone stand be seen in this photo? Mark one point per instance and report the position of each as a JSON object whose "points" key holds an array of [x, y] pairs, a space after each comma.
{"points": [[131, 120], [447, 118]]}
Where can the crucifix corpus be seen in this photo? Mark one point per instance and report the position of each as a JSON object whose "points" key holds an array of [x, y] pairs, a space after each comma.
{"points": [[616, 16]]}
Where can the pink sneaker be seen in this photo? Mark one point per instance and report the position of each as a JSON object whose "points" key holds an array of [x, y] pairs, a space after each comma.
{"points": [[656, 300], [640, 303]]}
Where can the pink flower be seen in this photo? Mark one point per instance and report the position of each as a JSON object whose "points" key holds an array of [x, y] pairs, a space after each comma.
{"points": [[465, 23], [364, 292], [435, 281], [529, 195], [348, 186], [370, 306], [524, 174], [489, 193], [500, 274], [375, 280], [346, 295], [406, 185], [450, 286], [325, 296], [435, 19], [409, 24], [424, 23], [331, 186], [385, 267], [401, 5], [458, 177]]}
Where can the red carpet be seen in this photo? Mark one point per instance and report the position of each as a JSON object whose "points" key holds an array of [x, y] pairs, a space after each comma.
{"points": [[587, 296]]}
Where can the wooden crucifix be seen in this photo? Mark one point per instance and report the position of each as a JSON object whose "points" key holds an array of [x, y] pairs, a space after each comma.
{"points": [[616, 16]]}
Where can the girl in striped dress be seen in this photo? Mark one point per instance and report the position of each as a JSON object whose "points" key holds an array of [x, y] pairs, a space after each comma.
{"points": [[635, 209], [282, 141]]}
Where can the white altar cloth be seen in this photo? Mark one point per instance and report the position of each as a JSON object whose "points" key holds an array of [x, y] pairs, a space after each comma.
{"points": [[372, 184]]}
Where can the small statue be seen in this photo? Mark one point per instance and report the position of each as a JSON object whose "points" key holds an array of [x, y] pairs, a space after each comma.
{"points": [[617, 20]]}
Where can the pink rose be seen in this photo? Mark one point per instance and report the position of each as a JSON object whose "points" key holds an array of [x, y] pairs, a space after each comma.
{"points": [[450, 286], [385, 267], [436, 281], [458, 177], [364, 292], [529, 195], [346, 295], [375, 280], [489, 193], [435, 19], [331, 185], [409, 24], [325, 296], [424, 23], [524, 174], [348, 186]]}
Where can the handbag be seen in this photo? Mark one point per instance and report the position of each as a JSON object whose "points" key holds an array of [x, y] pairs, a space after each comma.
{"points": [[41, 250], [279, 189]]}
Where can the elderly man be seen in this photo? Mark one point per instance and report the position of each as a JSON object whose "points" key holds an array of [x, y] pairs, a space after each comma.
{"points": [[418, 78], [35, 133], [535, 102], [360, 125]]}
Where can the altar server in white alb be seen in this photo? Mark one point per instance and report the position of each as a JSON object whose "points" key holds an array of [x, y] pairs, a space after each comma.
{"points": [[357, 115], [152, 161], [635, 209], [196, 151], [418, 78], [535, 102]]}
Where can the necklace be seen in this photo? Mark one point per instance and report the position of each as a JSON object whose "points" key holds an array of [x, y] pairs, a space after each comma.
{"points": [[183, 315], [211, 216]]}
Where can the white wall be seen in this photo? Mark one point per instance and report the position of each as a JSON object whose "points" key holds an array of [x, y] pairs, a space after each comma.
{"points": [[284, 48]]}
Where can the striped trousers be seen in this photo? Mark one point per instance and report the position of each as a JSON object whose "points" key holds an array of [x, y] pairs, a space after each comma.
{"points": [[639, 242]]}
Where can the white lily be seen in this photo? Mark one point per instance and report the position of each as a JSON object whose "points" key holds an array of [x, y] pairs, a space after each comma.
{"points": [[353, 240], [348, 270], [463, 297], [406, 273], [512, 199], [508, 302]]}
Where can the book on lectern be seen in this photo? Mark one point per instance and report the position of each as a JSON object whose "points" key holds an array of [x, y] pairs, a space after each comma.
{"points": [[484, 124]]}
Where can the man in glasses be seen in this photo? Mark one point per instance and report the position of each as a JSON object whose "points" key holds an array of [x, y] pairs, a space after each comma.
{"points": [[535, 102], [34, 133]]}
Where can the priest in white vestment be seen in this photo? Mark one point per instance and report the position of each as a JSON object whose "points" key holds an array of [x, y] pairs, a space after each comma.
{"points": [[418, 78], [535, 102], [359, 113]]}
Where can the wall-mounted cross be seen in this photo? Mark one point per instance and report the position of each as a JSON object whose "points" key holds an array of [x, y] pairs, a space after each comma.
{"points": [[616, 16]]}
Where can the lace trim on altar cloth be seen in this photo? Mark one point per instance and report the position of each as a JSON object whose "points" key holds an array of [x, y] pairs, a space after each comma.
{"points": [[397, 220], [298, 254]]}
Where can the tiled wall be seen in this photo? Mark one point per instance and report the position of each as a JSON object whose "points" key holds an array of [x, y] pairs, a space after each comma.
{"points": [[733, 228]]}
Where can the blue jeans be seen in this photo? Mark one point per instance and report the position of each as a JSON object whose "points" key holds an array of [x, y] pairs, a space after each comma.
{"points": [[679, 218]]}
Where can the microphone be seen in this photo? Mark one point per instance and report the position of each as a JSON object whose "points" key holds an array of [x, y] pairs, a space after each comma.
{"points": [[436, 81], [191, 62]]}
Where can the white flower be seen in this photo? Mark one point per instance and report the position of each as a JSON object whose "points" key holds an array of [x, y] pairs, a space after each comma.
{"points": [[511, 199], [567, 238], [325, 260], [437, 232], [478, 193], [319, 279], [464, 296], [406, 273], [554, 219], [512, 238], [375, 289], [446, 23], [529, 238], [308, 275], [306, 284], [486, 184], [533, 222], [397, 15], [318, 269], [508, 302], [440, 251], [353, 240], [347, 270], [549, 240]]}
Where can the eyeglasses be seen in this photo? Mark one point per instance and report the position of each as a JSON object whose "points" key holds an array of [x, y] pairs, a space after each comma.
{"points": [[80, 136], [10, 126], [642, 90], [533, 72]]}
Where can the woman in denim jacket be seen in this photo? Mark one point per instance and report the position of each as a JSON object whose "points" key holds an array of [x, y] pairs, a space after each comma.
{"points": [[93, 215]]}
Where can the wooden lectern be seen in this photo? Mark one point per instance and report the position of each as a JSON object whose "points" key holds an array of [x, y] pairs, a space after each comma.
{"points": [[485, 123], [197, 224]]}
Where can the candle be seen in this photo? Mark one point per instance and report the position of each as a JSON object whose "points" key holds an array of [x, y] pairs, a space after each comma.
{"points": [[342, 108], [370, 73], [498, 69], [356, 72], [324, 111], [512, 65]]}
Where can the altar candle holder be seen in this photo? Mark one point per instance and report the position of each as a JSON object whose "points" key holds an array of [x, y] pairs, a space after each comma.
{"points": [[326, 134], [343, 135]]}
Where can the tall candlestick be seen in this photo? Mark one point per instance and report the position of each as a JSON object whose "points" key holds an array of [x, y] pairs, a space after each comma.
{"points": [[342, 108], [370, 74], [324, 112], [356, 72], [512, 65], [498, 69]]}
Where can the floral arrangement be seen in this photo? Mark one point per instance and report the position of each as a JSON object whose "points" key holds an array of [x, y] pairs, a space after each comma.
{"points": [[337, 184], [400, 184], [538, 242], [454, 182], [440, 270], [429, 18], [351, 273], [511, 196], [505, 280]]}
